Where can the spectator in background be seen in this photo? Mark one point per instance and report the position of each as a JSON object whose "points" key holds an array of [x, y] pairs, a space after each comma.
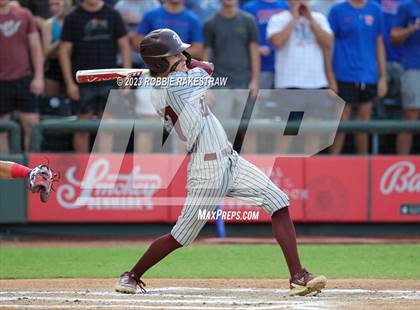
{"points": [[132, 12], [204, 9], [323, 6], [359, 62], [262, 10], [301, 38], [51, 32], [393, 53], [39, 8], [231, 40], [21, 69], [91, 37], [175, 16], [407, 33], [235, 52]]}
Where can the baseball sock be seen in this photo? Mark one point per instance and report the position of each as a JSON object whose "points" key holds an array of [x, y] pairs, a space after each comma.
{"points": [[156, 252], [19, 172], [284, 232]]}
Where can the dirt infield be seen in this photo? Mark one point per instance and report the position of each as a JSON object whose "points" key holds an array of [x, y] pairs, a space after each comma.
{"points": [[210, 294], [136, 241]]}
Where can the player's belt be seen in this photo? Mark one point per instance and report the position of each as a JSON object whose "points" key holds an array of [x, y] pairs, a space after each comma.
{"points": [[213, 156]]}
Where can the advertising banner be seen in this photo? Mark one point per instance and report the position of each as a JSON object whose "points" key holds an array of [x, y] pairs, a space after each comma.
{"points": [[395, 184], [134, 194], [337, 188], [321, 189]]}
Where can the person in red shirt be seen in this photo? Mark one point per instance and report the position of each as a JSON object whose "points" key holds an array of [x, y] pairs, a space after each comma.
{"points": [[21, 51]]}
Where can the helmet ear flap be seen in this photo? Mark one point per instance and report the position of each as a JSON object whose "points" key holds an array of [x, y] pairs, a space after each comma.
{"points": [[156, 65]]}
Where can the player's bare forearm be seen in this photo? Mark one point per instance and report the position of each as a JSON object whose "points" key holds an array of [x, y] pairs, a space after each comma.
{"points": [[196, 51], [12, 170], [279, 39], [37, 56], [64, 52], [5, 169], [125, 51], [323, 38]]}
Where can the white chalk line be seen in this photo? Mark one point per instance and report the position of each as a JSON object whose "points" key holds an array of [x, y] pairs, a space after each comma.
{"points": [[132, 306], [151, 294], [283, 291], [123, 303], [184, 291], [78, 303], [325, 300], [152, 301], [143, 301]]}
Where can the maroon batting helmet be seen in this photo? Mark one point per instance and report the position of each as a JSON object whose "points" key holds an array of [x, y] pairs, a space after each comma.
{"points": [[159, 44]]}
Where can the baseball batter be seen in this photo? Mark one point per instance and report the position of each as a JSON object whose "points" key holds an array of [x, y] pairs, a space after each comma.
{"points": [[215, 169]]}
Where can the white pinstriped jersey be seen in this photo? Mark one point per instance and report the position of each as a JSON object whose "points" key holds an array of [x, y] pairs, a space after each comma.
{"points": [[183, 107]]}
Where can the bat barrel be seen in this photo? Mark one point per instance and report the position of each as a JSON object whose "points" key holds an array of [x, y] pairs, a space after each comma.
{"points": [[91, 76]]}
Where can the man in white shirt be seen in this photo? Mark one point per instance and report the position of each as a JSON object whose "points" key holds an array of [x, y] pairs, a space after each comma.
{"points": [[299, 37], [302, 40]]}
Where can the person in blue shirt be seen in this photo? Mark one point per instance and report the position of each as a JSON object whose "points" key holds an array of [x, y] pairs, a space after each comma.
{"points": [[389, 9], [359, 62], [262, 10], [394, 53], [175, 16], [407, 33]]}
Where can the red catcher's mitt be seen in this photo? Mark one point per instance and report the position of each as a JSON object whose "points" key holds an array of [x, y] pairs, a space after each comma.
{"points": [[41, 179]]}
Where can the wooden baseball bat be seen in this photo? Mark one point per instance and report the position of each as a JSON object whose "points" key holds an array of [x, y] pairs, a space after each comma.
{"points": [[91, 76]]}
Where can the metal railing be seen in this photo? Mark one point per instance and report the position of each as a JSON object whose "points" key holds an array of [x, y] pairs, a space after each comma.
{"points": [[15, 137], [374, 127]]}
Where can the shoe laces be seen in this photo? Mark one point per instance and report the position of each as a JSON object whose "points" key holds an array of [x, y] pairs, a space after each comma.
{"points": [[138, 281]]}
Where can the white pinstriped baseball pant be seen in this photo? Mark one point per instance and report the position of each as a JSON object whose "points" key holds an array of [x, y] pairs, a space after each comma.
{"points": [[210, 181]]}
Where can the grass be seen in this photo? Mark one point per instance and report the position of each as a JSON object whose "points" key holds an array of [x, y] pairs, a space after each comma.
{"points": [[389, 261]]}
